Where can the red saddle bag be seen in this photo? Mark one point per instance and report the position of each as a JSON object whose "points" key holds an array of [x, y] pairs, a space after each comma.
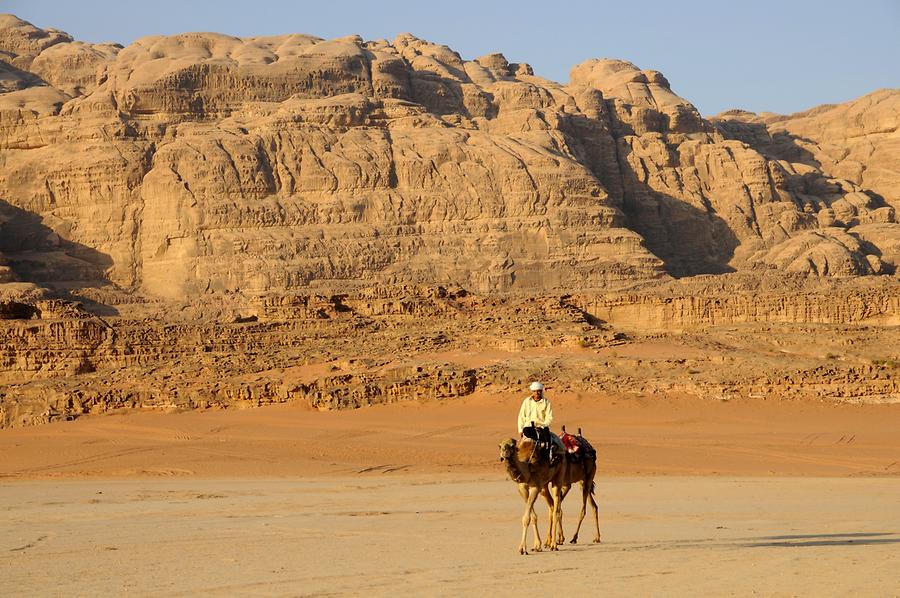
{"points": [[571, 442]]}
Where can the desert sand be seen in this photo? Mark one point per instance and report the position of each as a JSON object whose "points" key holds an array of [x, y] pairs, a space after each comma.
{"points": [[635, 435], [754, 497], [446, 535]]}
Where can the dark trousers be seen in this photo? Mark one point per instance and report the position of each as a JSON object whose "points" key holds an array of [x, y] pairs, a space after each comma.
{"points": [[539, 433]]}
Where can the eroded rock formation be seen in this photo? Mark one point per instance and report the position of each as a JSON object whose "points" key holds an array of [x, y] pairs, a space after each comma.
{"points": [[201, 163], [201, 212], [858, 141], [713, 336]]}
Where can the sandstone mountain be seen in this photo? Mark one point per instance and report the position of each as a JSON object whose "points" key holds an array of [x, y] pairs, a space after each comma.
{"points": [[185, 219], [857, 142], [203, 163]]}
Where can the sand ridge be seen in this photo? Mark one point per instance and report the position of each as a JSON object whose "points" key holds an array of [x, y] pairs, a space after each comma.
{"points": [[674, 435]]}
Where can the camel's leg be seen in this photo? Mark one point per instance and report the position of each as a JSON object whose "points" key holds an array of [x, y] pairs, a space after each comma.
{"points": [[556, 492], [523, 492], [536, 545], [532, 494], [546, 493], [552, 530], [560, 534], [596, 516], [585, 494], [556, 522]]}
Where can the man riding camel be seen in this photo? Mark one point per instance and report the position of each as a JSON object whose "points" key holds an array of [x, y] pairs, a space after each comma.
{"points": [[535, 417]]}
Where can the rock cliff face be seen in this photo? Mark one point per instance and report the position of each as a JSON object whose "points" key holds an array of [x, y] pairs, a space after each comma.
{"points": [[203, 163], [205, 212], [858, 141], [686, 308]]}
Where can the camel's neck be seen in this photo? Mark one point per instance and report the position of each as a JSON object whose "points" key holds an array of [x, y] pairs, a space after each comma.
{"points": [[517, 470]]}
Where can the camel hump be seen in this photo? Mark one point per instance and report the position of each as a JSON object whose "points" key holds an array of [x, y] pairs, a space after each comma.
{"points": [[525, 442]]}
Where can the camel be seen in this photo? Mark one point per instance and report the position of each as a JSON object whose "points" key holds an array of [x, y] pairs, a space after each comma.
{"points": [[535, 477], [532, 476], [584, 472]]}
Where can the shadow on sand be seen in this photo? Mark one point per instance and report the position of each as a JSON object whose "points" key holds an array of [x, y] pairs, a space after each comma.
{"points": [[786, 541], [849, 539]]}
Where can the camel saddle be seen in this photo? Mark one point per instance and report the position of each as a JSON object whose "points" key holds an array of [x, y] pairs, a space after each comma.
{"points": [[577, 447]]}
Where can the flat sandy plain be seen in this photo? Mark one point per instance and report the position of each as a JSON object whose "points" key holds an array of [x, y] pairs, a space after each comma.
{"points": [[737, 498]]}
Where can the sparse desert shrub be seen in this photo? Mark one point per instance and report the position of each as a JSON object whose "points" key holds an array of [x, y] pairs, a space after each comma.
{"points": [[888, 363]]}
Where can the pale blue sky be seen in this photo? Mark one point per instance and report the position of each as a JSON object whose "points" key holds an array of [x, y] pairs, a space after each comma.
{"points": [[780, 56]]}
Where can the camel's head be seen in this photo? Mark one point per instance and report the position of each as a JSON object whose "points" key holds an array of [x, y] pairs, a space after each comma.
{"points": [[508, 450], [522, 450]]}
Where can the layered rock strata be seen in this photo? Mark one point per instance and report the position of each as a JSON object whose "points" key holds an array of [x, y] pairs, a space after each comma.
{"points": [[201, 220], [388, 344], [203, 163]]}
